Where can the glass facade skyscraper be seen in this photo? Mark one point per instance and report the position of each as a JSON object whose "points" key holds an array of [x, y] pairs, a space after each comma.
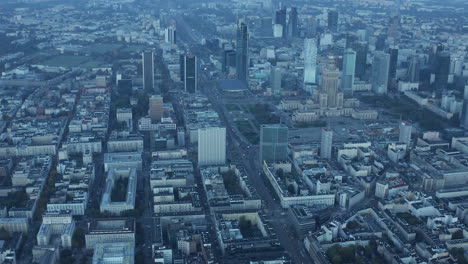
{"points": [[273, 143]]}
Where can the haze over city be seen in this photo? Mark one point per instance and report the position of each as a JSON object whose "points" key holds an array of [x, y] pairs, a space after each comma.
{"points": [[233, 132]]}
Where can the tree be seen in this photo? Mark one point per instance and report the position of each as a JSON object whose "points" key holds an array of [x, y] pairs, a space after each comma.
{"points": [[78, 239], [291, 189], [245, 227], [4, 235], [280, 173], [457, 234], [353, 225]]}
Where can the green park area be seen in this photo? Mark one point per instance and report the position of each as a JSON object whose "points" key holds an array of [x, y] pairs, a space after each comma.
{"points": [[232, 107], [315, 123], [247, 131], [119, 190], [406, 109], [231, 183], [263, 114], [67, 61], [355, 254], [101, 48]]}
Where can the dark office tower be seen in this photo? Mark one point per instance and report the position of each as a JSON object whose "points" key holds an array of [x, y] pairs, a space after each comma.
{"points": [[380, 42], [292, 23], [311, 27], [228, 61], [242, 46], [361, 48], [350, 39], [393, 51], [190, 74], [333, 20], [413, 69], [441, 71], [148, 70], [280, 18], [435, 50], [182, 66]]}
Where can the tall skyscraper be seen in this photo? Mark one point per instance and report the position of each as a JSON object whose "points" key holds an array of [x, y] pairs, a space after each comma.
{"points": [[310, 61], [242, 49], [441, 70], [380, 69], [211, 146], [273, 143], [148, 70], [329, 81], [280, 19], [326, 143], [393, 62], [413, 69], [361, 48], [190, 74], [276, 75], [380, 42], [333, 20], [405, 133], [170, 35], [349, 68], [292, 29], [156, 108]]}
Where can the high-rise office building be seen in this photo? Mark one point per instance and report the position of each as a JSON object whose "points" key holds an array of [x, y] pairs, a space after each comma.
{"points": [[333, 20], [190, 74], [242, 49], [326, 143], [292, 30], [156, 108], [310, 61], [349, 68], [413, 69], [276, 74], [329, 82], [393, 62], [273, 143], [435, 50], [380, 69], [361, 48], [280, 19], [148, 70], [211, 146], [170, 35], [350, 39], [380, 42], [441, 70], [405, 133]]}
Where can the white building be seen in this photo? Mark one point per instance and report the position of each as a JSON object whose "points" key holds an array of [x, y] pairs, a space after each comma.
{"points": [[310, 61], [211, 146]]}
